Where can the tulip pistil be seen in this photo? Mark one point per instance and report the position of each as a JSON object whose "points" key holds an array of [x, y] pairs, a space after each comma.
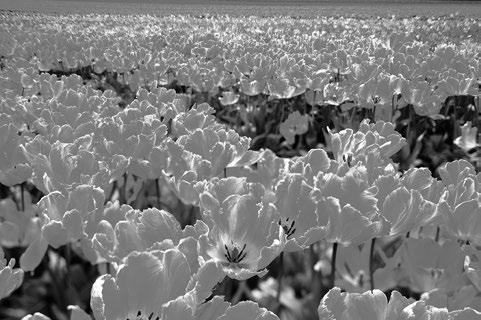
{"points": [[234, 255]]}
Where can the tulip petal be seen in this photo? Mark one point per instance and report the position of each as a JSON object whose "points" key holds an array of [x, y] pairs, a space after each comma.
{"points": [[32, 257], [353, 306], [55, 234], [78, 314], [105, 301], [247, 310]]}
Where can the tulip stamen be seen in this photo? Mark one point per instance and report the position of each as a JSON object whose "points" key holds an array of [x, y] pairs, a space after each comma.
{"points": [[234, 255], [140, 316], [288, 229], [347, 158]]}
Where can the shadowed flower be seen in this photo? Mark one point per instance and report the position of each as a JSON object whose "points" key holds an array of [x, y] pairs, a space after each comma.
{"points": [[229, 98], [466, 296], [296, 124], [22, 229], [472, 265], [423, 265], [467, 140], [14, 168], [346, 203], [17, 227], [10, 278], [458, 206]]}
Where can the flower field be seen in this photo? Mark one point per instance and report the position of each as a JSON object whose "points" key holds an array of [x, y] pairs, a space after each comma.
{"points": [[222, 167]]}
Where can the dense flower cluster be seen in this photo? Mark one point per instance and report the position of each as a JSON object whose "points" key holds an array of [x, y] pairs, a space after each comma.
{"points": [[329, 59], [94, 163]]}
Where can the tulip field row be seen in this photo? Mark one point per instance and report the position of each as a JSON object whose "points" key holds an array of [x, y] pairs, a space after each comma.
{"points": [[181, 167]]}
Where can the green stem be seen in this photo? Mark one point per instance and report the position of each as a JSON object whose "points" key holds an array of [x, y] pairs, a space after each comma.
{"points": [[477, 106], [371, 264], [57, 292], [228, 289], [332, 276], [436, 238], [279, 277], [241, 289], [68, 257], [280, 114], [408, 129], [111, 194], [351, 116], [22, 187], [123, 191], [455, 121], [157, 192], [316, 277], [392, 108], [67, 281]]}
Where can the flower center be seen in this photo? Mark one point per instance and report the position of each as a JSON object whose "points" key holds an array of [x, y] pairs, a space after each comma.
{"points": [[141, 316], [376, 99], [233, 255], [347, 158], [288, 227]]}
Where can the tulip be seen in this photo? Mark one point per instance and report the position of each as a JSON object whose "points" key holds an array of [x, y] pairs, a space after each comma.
{"points": [[244, 233], [10, 278]]}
